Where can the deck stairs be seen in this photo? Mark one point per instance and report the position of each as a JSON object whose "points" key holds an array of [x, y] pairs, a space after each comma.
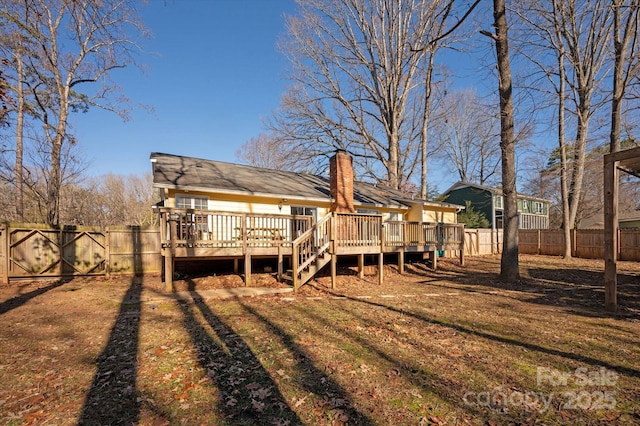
{"points": [[310, 253]]}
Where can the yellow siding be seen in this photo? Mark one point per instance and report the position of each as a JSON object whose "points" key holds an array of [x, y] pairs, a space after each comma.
{"points": [[440, 216], [237, 203], [420, 213]]}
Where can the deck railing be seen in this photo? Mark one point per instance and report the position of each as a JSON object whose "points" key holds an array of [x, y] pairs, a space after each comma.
{"points": [[357, 230], [450, 236], [212, 229], [398, 234], [206, 228]]}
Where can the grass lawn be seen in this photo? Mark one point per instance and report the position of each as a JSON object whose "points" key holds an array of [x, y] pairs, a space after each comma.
{"points": [[456, 346]]}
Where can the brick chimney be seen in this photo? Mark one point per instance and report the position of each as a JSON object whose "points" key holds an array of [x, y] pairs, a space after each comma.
{"points": [[341, 182]]}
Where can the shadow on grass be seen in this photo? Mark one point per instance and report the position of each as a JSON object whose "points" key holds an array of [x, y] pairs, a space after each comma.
{"points": [[585, 289], [248, 395], [20, 300], [627, 371], [311, 378], [432, 382], [112, 398], [580, 291]]}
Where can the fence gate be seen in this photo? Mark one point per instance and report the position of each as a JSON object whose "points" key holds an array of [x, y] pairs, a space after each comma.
{"points": [[50, 252]]}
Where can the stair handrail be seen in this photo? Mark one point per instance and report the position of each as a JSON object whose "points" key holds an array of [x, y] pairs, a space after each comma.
{"points": [[297, 266]]}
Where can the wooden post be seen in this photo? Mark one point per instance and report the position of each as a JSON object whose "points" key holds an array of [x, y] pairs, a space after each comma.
{"points": [[4, 253], [610, 233], [462, 242], [280, 262], [539, 241], [381, 268], [361, 266], [401, 261], [433, 256], [236, 268], [295, 257], [169, 253], [334, 271], [247, 269]]}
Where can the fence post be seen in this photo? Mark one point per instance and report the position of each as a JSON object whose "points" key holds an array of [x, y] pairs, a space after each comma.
{"points": [[539, 241], [4, 253], [462, 244], [107, 252]]}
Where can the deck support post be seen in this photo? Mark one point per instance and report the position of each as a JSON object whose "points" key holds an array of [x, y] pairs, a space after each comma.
{"points": [[361, 266], [236, 267], [433, 257], [280, 263], [169, 261], [334, 270], [247, 270], [401, 261], [381, 268]]}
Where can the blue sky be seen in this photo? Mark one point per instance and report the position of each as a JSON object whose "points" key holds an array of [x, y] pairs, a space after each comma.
{"points": [[214, 72]]}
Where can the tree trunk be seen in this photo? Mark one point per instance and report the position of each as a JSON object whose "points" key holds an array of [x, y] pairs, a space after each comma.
{"points": [[19, 140], [564, 192], [580, 152], [424, 136], [394, 161], [509, 268], [625, 49]]}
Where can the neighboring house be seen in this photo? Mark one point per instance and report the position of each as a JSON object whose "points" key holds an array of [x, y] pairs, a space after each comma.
{"points": [[533, 212], [213, 209], [625, 221]]}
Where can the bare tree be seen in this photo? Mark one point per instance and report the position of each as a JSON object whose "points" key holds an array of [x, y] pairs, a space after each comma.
{"points": [[74, 43], [468, 135], [270, 151], [357, 67], [509, 267], [109, 200], [626, 60], [567, 42]]}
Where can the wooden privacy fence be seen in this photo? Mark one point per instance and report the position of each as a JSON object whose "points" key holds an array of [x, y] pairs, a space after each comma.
{"points": [[40, 251], [585, 243]]}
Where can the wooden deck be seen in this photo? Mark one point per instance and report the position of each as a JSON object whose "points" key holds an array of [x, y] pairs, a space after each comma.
{"points": [[199, 234]]}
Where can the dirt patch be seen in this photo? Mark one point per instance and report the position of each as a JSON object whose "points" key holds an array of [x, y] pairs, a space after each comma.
{"points": [[454, 346]]}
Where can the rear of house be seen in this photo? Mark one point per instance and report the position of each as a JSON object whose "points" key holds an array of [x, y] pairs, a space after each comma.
{"points": [[212, 209]]}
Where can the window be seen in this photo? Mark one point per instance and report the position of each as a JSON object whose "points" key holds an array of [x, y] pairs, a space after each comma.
{"points": [[301, 225], [367, 211], [395, 216], [184, 202], [497, 201], [303, 211], [539, 207], [192, 226]]}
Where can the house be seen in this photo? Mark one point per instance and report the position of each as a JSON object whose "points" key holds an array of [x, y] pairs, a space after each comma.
{"points": [[533, 212], [213, 209], [626, 220]]}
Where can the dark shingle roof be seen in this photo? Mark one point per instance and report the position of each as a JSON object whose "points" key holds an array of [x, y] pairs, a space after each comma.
{"points": [[188, 173]]}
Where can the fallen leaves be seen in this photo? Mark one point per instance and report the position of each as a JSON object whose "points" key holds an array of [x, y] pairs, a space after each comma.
{"points": [[357, 359]]}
